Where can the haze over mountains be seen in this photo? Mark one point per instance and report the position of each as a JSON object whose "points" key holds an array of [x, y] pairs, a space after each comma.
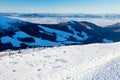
{"points": [[79, 15], [55, 18], [15, 34]]}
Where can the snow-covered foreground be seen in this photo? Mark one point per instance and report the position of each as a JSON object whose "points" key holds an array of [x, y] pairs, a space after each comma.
{"points": [[80, 62]]}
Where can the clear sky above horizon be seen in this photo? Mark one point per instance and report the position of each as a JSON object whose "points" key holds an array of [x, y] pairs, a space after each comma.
{"points": [[60, 6]]}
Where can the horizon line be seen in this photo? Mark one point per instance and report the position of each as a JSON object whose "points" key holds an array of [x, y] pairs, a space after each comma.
{"points": [[55, 13]]}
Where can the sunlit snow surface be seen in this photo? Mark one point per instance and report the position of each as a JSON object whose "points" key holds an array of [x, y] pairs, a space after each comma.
{"points": [[80, 62]]}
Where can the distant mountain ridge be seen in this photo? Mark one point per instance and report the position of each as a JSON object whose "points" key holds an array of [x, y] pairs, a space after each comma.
{"points": [[75, 15], [56, 18], [17, 34]]}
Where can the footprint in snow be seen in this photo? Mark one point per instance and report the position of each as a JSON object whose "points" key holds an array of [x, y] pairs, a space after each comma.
{"points": [[13, 62], [47, 56], [64, 51], [56, 66], [38, 75], [38, 69], [33, 54], [14, 70], [61, 60], [27, 63]]}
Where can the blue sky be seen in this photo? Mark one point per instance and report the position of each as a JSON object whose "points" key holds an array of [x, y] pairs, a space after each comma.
{"points": [[60, 6]]}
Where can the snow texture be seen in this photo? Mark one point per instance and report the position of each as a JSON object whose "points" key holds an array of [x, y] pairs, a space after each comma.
{"points": [[77, 62]]}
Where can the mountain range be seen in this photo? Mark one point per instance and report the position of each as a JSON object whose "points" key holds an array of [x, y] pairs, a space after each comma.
{"points": [[18, 34]]}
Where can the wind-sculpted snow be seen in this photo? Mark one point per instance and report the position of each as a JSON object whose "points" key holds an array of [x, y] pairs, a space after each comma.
{"points": [[77, 62]]}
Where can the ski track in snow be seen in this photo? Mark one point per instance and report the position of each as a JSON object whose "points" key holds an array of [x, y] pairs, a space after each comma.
{"points": [[80, 62]]}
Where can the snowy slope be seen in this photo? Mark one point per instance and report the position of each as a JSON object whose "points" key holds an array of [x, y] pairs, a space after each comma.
{"points": [[6, 23], [15, 34], [82, 62], [18, 34]]}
